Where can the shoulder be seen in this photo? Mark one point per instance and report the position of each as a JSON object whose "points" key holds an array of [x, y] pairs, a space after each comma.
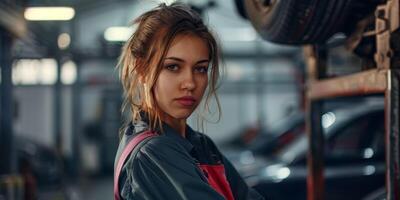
{"points": [[161, 155], [158, 142], [161, 143], [160, 149]]}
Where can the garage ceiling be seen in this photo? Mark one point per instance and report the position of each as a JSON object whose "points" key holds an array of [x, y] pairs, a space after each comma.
{"points": [[93, 17]]}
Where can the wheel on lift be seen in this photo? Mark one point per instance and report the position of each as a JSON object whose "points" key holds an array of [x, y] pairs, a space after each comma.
{"points": [[303, 21]]}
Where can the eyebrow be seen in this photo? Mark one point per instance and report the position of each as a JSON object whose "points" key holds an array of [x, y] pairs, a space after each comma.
{"points": [[181, 60]]}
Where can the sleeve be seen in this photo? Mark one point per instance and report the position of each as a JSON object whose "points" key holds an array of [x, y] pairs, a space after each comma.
{"points": [[239, 188], [162, 169]]}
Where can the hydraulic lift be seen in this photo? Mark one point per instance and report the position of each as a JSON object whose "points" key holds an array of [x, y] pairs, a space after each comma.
{"points": [[384, 79]]}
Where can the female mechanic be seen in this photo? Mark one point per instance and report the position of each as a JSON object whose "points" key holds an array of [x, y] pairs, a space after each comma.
{"points": [[165, 68]]}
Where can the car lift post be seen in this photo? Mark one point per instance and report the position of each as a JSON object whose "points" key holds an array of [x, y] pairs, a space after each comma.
{"points": [[384, 79], [316, 69], [387, 57]]}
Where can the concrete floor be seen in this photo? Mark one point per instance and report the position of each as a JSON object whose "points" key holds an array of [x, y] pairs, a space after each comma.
{"points": [[87, 189], [99, 189]]}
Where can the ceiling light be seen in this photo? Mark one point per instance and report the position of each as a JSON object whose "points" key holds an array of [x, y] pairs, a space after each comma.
{"points": [[68, 73], [117, 34], [35, 71], [63, 41], [49, 13]]}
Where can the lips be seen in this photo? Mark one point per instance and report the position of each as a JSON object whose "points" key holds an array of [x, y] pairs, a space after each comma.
{"points": [[186, 101]]}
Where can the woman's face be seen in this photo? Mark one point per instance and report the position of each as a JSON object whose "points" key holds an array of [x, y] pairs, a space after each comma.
{"points": [[183, 79]]}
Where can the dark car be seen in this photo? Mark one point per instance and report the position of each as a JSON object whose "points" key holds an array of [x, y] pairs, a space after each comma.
{"points": [[42, 161], [266, 141], [379, 194], [281, 133], [41, 169], [354, 158]]}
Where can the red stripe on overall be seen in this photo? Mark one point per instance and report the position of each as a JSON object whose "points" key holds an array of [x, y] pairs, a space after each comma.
{"points": [[215, 175]]}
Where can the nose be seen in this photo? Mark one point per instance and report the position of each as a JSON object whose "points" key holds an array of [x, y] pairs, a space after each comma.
{"points": [[188, 82]]}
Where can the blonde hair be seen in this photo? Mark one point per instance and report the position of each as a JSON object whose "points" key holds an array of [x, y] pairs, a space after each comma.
{"points": [[142, 55]]}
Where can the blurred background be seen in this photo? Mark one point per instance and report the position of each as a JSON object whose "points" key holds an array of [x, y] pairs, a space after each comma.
{"points": [[61, 98]]}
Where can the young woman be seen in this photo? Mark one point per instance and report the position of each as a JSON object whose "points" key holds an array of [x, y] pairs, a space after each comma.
{"points": [[165, 68]]}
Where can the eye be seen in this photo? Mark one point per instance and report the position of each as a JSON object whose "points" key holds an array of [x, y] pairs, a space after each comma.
{"points": [[172, 67], [201, 69]]}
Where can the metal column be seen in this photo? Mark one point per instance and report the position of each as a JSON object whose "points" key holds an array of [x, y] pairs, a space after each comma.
{"points": [[392, 135], [317, 58], [77, 125], [57, 108], [7, 158]]}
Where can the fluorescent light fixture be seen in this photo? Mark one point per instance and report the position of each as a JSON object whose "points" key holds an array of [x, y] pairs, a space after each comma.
{"points": [[49, 13], [118, 33]]}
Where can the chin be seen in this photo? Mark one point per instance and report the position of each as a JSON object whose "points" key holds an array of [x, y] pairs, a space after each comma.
{"points": [[182, 115]]}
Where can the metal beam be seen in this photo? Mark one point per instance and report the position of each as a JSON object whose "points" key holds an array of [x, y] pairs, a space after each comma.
{"points": [[362, 83], [93, 54]]}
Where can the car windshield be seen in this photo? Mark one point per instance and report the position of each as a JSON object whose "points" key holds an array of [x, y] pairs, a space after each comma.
{"points": [[330, 122], [294, 150], [298, 148], [287, 122], [282, 133], [348, 121]]}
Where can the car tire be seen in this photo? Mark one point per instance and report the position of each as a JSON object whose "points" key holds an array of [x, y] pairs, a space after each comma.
{"points": [[299, 22]]}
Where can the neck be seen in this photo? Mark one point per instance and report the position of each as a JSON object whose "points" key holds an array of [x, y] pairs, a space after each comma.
{"points": [[178, 125]]}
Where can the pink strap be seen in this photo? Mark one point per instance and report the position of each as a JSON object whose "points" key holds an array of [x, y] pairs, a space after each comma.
{"points": [[125, 153]]}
